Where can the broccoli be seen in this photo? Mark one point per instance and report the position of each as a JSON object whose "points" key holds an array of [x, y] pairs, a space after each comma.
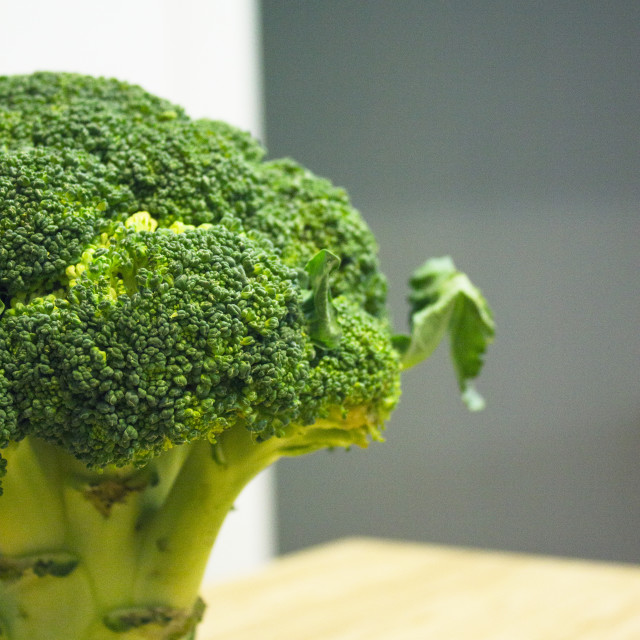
{"points": [[176, 314]]}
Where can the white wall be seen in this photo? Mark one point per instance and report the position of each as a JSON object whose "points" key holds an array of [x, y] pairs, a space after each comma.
{"points": [[202, 54]]}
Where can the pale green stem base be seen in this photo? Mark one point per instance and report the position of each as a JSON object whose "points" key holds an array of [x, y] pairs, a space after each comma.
{"points": [[127, 565]]}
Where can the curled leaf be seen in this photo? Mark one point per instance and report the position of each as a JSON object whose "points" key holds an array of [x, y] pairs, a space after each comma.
{"points": [[443, 301], [317, 306]]}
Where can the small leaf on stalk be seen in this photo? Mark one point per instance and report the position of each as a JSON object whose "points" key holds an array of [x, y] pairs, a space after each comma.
{"points": [[317, 306]]}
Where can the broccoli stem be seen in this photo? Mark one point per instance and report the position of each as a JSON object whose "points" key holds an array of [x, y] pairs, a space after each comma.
{"points": [[180, 536], [120, 554]]}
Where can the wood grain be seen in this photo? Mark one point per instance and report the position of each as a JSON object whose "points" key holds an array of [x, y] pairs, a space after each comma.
{"points": [[362, 589]]}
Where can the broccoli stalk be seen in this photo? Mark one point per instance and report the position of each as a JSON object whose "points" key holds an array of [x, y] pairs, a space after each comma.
{"points": [[176, 314], [122, 552]]}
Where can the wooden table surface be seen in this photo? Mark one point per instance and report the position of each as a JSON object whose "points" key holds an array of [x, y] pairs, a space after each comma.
{"points": [[361, 589]]}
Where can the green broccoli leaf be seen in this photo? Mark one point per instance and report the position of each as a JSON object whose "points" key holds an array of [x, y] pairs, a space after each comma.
{"points": [[318, 307], [444, 300]]}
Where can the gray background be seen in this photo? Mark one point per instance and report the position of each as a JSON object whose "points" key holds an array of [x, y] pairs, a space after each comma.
{"points": [[506, 134]]}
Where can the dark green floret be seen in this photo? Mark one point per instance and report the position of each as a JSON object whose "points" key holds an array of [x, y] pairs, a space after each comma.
{"points": [[176, 314], [161, 339], [175, 168], [52, 206], [303, 214]]}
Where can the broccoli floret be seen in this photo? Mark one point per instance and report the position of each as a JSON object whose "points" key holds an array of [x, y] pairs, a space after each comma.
{"points": [[176, 314], [179, 169], [160, 339], [303, 214], [52, 206]]}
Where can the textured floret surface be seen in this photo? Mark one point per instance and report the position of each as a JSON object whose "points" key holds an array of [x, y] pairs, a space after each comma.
{"points": [[153, 282]]}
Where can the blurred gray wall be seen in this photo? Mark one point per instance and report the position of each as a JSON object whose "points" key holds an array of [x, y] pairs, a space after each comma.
{"points": [[506, 134]]}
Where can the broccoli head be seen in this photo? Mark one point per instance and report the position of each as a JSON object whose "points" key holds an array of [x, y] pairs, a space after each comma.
{"points": [[176, 313]]}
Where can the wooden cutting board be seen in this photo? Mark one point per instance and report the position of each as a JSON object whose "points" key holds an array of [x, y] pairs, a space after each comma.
{"points": [[360, 589]]}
